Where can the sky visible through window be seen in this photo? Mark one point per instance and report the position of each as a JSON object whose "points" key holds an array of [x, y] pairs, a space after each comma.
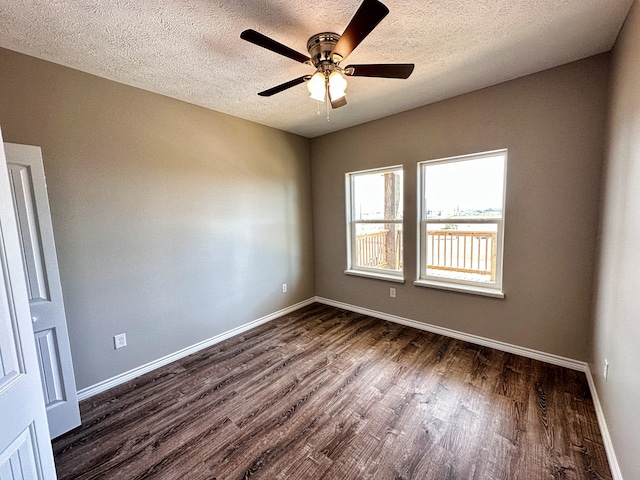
{"points": [[453, 189], [369, 196], [464, 188]]}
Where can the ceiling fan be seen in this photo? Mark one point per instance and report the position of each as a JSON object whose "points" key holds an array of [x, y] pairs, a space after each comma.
{"points": [[327, 50]]}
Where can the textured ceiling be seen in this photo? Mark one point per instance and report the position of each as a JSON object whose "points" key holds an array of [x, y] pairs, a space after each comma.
{"points": [[191, 49]]}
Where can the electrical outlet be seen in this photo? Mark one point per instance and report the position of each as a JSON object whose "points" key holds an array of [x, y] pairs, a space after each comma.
{"points": [[392, 292], [119, 341], [605, 370], [284, 288]]}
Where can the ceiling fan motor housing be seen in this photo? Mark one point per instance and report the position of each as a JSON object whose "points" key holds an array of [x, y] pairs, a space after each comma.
{"points": [[320, 47]]}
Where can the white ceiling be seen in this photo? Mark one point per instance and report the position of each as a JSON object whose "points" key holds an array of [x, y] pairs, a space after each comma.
{"points": [[191, 49]]}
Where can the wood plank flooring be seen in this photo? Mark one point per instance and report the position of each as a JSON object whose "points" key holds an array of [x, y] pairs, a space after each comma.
{"points": [[327, 394]]}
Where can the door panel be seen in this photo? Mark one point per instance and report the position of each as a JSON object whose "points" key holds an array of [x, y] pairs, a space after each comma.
{"points": [[18, 462], [9, 365], [25, 448], [31, 204], [50, 372], [29, 230]]}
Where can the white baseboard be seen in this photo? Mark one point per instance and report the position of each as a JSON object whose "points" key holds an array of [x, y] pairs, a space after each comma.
{"points": [[161, 362], [467, 337], [604, 431], [504, 347], [487, 342]]}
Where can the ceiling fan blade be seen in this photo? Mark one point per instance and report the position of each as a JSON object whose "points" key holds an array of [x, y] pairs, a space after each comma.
{"points": [[370, 14], [284, 86], [265, 42], [385, 70]]}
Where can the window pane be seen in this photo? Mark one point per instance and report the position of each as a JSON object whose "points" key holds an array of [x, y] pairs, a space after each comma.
{"points": [[466, 188], [379, 245], [377, 195], [462, 251]]}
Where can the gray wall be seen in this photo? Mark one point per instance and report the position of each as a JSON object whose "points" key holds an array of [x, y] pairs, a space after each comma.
{"points": [[617, 313], [553, 124], [173, 223]]}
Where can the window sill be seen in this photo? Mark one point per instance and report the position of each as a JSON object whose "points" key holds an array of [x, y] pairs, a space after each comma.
{"points": [[376, 275], [456, 287]]}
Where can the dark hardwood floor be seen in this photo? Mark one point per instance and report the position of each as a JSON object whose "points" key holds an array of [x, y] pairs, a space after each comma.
{"points": [[323, 393]]}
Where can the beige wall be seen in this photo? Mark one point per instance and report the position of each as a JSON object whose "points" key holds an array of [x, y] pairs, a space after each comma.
{"points": [[173, 223], [553, 124], [617, 312]]}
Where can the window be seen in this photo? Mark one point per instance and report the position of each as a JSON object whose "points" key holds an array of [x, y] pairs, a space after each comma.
{"points": [[374, 223], [461, 227]]}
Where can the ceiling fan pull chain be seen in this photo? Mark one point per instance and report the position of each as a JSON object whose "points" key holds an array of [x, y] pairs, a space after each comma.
{"points": [[326, 104]]}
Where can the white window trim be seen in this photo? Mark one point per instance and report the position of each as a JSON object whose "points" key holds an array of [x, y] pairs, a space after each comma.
{"points": [[352, 269], [379, 275], [458, 285]]}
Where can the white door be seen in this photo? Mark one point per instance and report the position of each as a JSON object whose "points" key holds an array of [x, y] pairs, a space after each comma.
{"points": [[31, 203], [25, 448]]}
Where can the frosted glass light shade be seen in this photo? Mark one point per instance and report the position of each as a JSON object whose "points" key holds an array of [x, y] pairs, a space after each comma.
{"points": [[337, 85], [316, 86]]}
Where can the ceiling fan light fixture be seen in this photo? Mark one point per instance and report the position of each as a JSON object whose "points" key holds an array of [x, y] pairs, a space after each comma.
{"points": [[327, 50], [337, 85], [317, 87]]}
